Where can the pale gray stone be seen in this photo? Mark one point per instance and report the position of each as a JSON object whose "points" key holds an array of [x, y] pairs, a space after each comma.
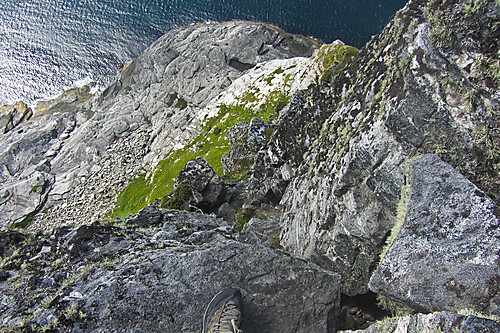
{"points": [[446, 256]]}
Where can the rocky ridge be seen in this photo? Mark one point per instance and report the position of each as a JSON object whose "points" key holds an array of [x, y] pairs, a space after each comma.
{"points": [[398, 99], [385, 175]]}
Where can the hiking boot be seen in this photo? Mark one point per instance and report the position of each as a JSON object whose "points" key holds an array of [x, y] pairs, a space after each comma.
{"points": [[223, 314]]}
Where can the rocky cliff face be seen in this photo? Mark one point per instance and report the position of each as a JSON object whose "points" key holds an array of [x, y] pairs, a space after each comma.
{"points": [[379, 170], [427, 84]]}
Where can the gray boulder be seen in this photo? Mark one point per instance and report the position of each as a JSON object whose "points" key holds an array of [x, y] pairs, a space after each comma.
{"points": [[207, 188], [22, 199], [445, 322], [158, 278], [446, 254]]}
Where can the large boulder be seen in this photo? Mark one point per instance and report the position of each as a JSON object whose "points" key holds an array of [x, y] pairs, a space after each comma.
{"points": [[159, 278], [205, 188], [425, 84], [446, 255]]}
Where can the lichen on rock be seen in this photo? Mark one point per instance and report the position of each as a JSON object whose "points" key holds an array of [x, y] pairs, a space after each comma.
{"points": [[388, 106], [448, 242], [156, 271]]}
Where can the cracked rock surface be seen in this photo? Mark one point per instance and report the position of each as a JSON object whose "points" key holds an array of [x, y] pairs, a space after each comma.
{"points": [[157, 272], [448, 242]]}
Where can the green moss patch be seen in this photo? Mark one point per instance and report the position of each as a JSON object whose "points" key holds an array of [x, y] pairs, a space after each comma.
{"points": [[179, 198], [211, 144], [24, 223], [243, 216], [333, 58]]}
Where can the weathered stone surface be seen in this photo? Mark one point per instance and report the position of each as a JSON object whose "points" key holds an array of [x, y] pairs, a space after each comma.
{"points": [[25, 156], [337, 161], [404, 94], [20, 200], [207, 188], [12, 115], [297, 126], [446, 255], [99, 143], [245, 140], [257, 231], [159, 278], [69, 101], [445, 322]]}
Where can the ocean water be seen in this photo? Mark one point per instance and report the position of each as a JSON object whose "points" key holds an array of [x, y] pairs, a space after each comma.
{"points": [[48, 46]]}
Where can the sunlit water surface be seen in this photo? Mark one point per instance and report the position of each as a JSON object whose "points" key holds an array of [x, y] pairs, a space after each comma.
{"points": [[47, 46]]}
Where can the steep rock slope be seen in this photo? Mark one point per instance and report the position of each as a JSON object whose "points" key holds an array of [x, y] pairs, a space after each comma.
{"points": [[428, 83], [80, 153]]}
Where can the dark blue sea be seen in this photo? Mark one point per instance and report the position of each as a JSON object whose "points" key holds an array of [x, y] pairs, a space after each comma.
{"points": [[47, 46]]}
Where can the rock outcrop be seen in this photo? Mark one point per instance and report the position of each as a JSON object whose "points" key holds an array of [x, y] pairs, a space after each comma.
{"points": [[158, 102], [446, 252], [12, 115], [383, 173], [157, 273], [206, 189], [245, 139], [425, 84]]}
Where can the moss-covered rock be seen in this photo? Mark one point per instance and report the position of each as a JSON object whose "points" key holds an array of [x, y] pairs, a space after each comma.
{"points": [[179, 198]]}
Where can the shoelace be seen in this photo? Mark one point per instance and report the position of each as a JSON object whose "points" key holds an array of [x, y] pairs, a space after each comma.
{"points": [[235, 328], [227, 321]]}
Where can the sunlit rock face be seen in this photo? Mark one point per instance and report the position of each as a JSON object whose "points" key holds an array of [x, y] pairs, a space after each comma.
{"points": [[428, 83]]}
